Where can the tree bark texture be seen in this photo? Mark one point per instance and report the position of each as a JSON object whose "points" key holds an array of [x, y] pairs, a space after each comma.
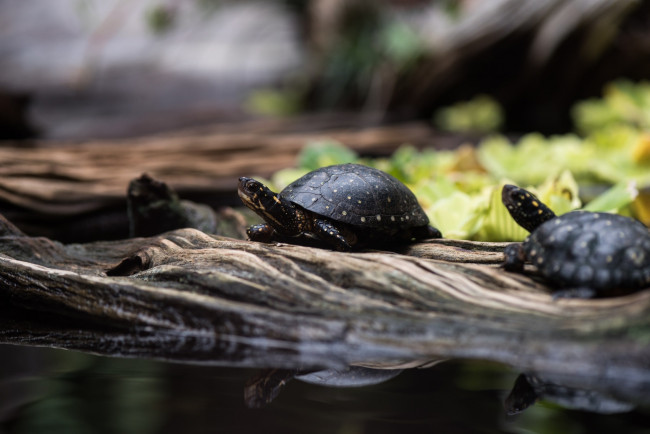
{"points": [[76, 192], [186, 296]]}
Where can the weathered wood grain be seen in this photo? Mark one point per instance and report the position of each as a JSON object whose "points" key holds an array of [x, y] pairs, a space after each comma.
{"points": [[67, 177], [190, 297], [75, 192]]}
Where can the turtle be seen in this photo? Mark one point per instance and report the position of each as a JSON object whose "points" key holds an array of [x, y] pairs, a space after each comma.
{"points": [[574, 393], [582, 254], [267, 384], [342, 206]]}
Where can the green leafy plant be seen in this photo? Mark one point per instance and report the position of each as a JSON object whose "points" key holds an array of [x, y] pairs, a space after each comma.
{"points": [[460, 190]]}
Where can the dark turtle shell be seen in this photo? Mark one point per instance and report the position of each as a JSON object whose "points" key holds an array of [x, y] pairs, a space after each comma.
{"points": [[596, 250], [357, 195]]}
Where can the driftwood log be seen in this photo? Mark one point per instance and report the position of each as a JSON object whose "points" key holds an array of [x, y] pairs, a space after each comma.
{"points": [[190, 297], [75, 192]]}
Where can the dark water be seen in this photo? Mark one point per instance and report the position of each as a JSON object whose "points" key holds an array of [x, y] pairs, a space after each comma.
{"points": [[55, 391]]}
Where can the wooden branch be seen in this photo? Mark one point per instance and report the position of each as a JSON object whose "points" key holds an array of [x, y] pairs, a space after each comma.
{"points": [[190, 297], [60, 178], [75, 192]]}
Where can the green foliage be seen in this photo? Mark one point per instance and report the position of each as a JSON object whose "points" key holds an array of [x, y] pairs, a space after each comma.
{"points": [[161, 19], [623, 103], [271, 102], [400, 44], [460, 190], [325, 153], [367, 50], [606, 156], [616, 199], [481, 114], [533, 157], [456, 215], [314, 155]]}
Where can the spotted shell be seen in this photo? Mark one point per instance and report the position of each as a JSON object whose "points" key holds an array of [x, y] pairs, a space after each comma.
{"points": [[596, 250], [357, 195]]}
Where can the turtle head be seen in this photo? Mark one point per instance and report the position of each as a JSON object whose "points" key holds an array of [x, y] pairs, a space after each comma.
{"points": [[524, 207], [279, 213]]}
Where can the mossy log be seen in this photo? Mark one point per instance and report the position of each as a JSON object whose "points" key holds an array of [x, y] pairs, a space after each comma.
{"points": [[189, 297]]}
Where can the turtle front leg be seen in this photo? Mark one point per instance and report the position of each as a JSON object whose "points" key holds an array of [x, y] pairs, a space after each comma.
{"points": [[515, 257], [331, 235], [262, 233]]}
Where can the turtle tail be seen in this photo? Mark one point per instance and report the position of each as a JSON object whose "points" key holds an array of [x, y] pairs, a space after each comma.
{"points": [[525, 208]]}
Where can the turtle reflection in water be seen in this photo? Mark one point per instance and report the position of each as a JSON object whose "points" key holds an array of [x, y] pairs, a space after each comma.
{"points": [[530, 388], [583, 254], [264, 387], [341, 206]]}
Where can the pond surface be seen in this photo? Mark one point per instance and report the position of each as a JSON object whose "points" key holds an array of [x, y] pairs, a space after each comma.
{"points": [[55, 391]]}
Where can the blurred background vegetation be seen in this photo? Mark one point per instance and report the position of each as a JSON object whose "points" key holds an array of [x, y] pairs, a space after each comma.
{"points": [[122, 68]]}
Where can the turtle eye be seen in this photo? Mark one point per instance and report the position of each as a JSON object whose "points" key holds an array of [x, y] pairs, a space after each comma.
{"points": [[250, 186]]}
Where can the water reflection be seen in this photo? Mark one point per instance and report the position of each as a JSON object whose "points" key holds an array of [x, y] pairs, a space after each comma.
{"points": [[266, 385], [529, 388], [52, 391]]}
